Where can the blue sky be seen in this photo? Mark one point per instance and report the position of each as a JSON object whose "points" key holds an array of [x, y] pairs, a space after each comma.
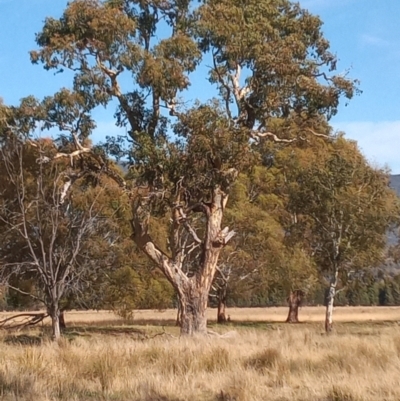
{"points": [[365, 34]]}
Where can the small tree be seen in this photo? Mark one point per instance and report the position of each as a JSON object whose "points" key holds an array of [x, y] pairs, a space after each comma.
{"points": [[58, 242], [344, 208]]}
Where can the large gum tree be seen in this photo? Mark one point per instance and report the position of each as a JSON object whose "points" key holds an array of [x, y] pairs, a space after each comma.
{"points": [[266, 74]]}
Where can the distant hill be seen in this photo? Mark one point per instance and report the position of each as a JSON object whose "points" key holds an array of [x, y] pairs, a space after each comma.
{"points": [[395, 183], [392, 238]]}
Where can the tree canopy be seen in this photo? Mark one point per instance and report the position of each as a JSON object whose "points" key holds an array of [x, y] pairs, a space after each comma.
{"points": [[259, 134], [273, 72]]}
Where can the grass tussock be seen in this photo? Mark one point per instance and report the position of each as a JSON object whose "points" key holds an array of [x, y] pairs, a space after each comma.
{"points": [[294, 363], [339, 393], [266, 359]]}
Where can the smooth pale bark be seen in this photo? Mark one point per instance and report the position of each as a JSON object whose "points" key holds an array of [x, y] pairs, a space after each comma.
{"points": [[295, 298], [55, 325], [329, 310], [330, 301]]}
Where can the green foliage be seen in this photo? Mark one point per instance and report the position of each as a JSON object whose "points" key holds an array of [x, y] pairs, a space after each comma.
{"points": [[275, 77], [342, 206], [17, 301], [122, 292], [263, 268], [129, 289], [278, 48], [282, 47]]}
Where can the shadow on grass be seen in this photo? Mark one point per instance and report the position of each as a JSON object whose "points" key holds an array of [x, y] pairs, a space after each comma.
{"points": [[154, 322], [363, 329], [110, 330], [142, 329], [24, 339]]}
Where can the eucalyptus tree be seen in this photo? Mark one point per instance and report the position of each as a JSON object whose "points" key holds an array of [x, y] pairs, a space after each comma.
{"points": [[260, 259], [57, 238], [265, 60], [343, 208]]}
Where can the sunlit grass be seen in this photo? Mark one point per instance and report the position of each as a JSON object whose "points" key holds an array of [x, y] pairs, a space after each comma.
{"points": [[242, 315], [359, 362]]}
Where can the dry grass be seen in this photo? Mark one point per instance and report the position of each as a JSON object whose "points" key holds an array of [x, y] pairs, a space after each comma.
{"points": [[279, 314], [360, 362]]}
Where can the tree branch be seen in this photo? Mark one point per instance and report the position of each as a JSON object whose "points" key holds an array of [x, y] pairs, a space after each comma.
{"points": [[189, 228], [258, 134], [318, 134], [223, 237], [33, 318], [25, 293]]}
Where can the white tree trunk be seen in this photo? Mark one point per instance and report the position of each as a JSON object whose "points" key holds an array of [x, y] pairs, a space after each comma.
{"points": [[329, 310], [55, 326], [330, 301], [54, 312]]}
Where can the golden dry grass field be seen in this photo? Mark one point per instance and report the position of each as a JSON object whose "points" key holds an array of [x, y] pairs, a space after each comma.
{"points": [[278, 314], [239, 315], [254, 358]]}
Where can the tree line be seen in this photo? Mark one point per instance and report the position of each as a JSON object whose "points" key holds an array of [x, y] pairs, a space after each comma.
{"points": [[248, 197]]}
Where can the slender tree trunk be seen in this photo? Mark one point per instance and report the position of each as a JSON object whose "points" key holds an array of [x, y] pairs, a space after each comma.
{"points": [[63, 326], [178, 316], [55, 323], [329, 310], [221, 317], [295, 298], [330, 301], [221, 313]]}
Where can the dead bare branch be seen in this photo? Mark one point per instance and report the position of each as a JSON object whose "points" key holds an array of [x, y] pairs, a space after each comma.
{"points": [[30, 319]]}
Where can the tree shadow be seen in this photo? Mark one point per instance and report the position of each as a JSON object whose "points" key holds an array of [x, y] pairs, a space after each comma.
{"points": [[108, 330], [256, 324], [154, 322], [24, 339]]}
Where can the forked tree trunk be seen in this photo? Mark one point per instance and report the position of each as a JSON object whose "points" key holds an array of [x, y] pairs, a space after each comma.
{"points": [[295, 298], [192, 289]]}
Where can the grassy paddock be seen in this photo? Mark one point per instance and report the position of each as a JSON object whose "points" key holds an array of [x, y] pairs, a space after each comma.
{"points": [[237, 315], [278, 314], [359, 362]]}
